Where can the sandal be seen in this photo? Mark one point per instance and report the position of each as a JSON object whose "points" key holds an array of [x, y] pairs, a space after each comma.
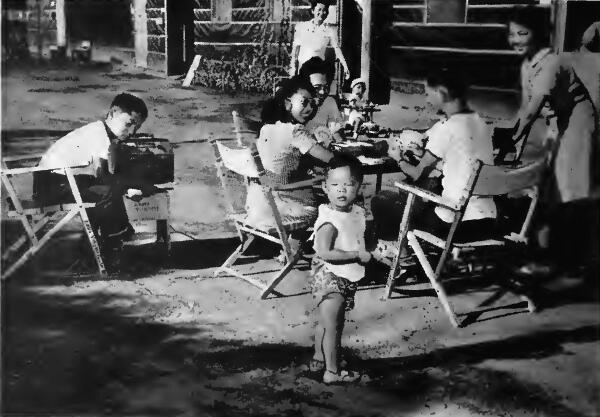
{"points": [[316, 365], [341, 377]]}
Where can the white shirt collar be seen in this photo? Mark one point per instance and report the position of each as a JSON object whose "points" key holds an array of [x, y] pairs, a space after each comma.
{"points": [[539, 57]]}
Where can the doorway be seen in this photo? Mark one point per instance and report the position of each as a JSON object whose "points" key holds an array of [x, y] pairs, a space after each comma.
{"points": [[180, 36], [108, 25]]}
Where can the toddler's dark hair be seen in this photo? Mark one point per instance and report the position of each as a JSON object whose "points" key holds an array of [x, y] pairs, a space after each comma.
{"points": [[535, 19], [341, 160], [129, 103], [453, 80]]}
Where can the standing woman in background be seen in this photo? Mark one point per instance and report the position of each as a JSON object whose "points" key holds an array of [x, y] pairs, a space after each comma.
{"points": [[312, 38], [568, 196]]}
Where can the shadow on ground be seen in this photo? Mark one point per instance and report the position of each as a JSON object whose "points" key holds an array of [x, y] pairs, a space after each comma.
{"points": [[87, 355]]}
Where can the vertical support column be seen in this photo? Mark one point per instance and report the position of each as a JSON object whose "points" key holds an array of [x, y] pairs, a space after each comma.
{"points": [[365, 54], [140, 22], [559, 21], [61, 24]]}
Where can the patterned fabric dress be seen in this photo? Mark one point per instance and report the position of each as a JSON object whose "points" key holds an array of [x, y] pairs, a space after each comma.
{"points": [[280, 147], [576, 156]]}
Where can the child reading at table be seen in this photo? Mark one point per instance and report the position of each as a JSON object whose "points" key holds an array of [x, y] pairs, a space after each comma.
{"points": [[357, 101], [456, 143], [338, 263]]}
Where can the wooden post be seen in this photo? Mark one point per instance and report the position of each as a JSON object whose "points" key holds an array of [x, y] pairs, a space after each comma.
{"points": [[559, 21], [61, 24], [140, 23], [39, 29], [365, 48]]}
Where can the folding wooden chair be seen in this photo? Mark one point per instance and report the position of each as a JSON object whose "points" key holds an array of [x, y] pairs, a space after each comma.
{"points": [[244, 128], [486, 180], [34, 216], [245, 161]]}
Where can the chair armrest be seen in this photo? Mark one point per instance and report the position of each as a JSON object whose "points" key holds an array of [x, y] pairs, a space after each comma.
{"points": [[428, 196], [31, 157], [299, 184], [17, 171]]}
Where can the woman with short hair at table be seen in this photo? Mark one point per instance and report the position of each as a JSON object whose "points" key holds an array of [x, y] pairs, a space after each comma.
{"points": [[312, 38], [280, 146], [327, 125], [574, 154]]}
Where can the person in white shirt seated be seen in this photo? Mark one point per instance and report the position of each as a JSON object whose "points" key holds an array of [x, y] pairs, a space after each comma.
{"points": [[327, 125], [95, 147], [457, 143]]}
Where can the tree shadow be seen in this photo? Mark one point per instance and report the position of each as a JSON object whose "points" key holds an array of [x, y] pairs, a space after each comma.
{"points": [[115, 354]]}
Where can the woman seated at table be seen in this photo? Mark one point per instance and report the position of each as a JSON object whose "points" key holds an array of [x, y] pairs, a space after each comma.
{"points": [[457, 142], [327, 125], [280, 146]]}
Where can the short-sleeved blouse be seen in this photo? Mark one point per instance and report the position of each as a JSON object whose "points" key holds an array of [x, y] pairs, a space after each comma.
{"points": [[313, 40], [577, 154], [280, 147]]}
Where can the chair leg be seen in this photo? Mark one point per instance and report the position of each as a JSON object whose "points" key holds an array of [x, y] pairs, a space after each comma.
{"points": [[433, 278], [36, 247], [87, 226], [280, 275], [239, 251], [404, 225], [24, 238]]}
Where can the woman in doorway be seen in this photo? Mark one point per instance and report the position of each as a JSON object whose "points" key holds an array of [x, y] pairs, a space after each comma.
{"points": [[312, 38], [550, 77]]}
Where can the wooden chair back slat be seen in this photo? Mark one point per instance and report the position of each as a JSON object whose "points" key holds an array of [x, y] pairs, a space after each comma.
{"points": [[242, 161], [498, 180]]}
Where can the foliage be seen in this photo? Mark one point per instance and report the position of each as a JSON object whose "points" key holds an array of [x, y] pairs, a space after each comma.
{"points": [[253, 69], [249, 73]]}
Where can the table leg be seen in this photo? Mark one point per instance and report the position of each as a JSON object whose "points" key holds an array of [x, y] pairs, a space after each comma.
{"points": [[378, 182]]}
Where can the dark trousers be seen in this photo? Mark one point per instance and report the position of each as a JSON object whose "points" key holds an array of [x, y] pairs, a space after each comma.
{"points": [[574, 231], [110, 216], [388, 206]]}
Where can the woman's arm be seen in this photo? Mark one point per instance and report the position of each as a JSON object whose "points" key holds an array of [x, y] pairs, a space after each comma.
{"points": [[428, 161], [319, 152], [324, 240], [295, 49], [338, 53], [294, 59], [541, 89]]}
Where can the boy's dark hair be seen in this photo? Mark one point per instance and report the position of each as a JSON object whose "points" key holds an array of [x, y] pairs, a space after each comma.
{"points": [[129, 103], [535, 19], [313, 3], [316, 65], [453, 80], [341, 160]]}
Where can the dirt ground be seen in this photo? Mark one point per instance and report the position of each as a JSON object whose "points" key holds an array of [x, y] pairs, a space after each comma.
{"points": [[166, 338]]}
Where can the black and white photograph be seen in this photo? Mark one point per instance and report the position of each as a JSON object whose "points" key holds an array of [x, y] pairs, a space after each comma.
{"points": [[300, 208]]}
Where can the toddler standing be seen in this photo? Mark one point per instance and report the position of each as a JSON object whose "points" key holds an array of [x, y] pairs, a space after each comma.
{"points": [[338, 263]]}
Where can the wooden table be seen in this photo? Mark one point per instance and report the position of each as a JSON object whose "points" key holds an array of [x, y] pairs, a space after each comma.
{"points": [[371, 165]]}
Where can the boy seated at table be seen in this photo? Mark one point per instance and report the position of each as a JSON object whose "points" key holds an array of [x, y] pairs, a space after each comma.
{"points": [[456, 143], [96, 146]]}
